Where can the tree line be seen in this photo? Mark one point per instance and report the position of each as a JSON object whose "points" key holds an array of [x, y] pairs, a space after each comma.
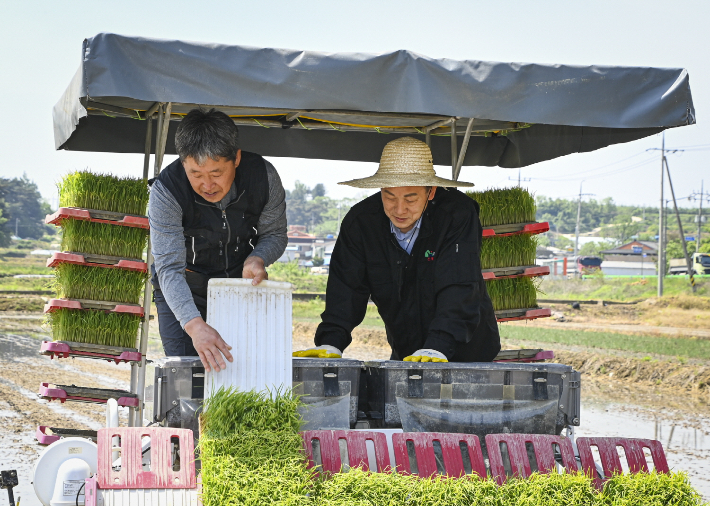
{"points": [[22, 210]]}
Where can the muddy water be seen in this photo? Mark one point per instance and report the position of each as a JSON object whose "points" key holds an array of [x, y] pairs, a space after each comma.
{"points": [[685, 437]]}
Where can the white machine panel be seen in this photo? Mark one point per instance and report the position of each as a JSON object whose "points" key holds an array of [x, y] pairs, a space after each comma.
{"points": [[256, 322]]}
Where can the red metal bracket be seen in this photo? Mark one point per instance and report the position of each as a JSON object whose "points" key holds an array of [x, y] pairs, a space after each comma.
{"points": [[112, 307], [357, 449], [530, 314], [43, 438], [79, 259], [46, 392], [529, 272], [110, 218], [522, 228], [63, 350]]}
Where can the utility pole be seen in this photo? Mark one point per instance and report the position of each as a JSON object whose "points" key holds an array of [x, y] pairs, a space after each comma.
{"points": [[688, 263], [661, 255], [661, 222], [702, 195], [579, 213], [519, 179], [17, 221]]}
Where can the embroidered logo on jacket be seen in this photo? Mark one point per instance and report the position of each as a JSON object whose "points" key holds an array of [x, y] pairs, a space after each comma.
{"points": [[429, 255]]}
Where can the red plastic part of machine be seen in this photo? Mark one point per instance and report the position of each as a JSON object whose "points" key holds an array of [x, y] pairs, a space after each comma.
{"points": [[518, 454], [530, 228], [78, 259], [57, 393], [43, 438], [75, 213], [539, 357], [131, 474], [531, 314], [609, 455], [450, 450], [530, 272], [63, 350], [55, 304], [356, 441]]}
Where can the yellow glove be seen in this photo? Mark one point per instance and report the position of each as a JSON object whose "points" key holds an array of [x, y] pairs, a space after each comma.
{"points": [[426, 355], [323, 351]]}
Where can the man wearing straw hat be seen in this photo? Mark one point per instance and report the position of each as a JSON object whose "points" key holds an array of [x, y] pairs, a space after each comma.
{"points": [[414, 249]]}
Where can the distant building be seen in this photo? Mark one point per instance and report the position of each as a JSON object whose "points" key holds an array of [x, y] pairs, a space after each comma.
{"points": [[636, 258], [303, 246]]}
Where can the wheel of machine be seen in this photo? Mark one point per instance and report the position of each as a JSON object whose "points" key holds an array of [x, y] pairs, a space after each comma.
{"points": [[47, 466]]}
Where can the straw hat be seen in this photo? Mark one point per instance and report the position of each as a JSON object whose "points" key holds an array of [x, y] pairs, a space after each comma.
{"points": [[405, 162]]}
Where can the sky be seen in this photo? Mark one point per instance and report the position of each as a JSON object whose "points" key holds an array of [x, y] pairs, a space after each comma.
{"points": [[40, 50]]}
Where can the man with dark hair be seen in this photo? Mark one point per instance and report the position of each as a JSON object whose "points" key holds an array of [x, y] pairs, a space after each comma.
{"points": [[215, 212]]}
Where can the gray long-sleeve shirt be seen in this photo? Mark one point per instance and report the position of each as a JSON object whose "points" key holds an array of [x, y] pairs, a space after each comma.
{"points": [[168, 242]]}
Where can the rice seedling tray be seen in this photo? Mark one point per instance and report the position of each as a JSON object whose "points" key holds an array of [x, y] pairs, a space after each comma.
{"points": [[96, 216], [522, 314], [90, 260], [56, 433], [66, 349], [536, 355], [517, 228], [528, 271], [55, 304], [85, 394]]}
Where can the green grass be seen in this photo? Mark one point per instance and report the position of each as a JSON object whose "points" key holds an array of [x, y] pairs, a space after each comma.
{"points": [[95, 327], [503, 206], [99, 283], [251, 454], [508, 251], [310, 311], [103, 239], [671, 346], [301, 279], [620, 288], [103, 192], [513, 293]]}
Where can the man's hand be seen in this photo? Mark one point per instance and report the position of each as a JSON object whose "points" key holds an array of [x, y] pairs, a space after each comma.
{"points": [[426, 355], [323, 351], [254, 270], [209, 344]]}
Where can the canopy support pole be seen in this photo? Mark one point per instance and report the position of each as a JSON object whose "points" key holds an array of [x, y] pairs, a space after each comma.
{"points": [[454, 149], [138, 370], [464, 147], [427, 138]]}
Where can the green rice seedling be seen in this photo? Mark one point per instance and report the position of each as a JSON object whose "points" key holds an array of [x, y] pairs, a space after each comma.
{"points": [[508, 251], [94, 326], [244, 462], [103, 239], [513, 293], [504, 206], [99, 283], [103, 192]]}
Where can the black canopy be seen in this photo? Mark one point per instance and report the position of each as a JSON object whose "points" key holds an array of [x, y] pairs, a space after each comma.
{"points": [[347, 106]]}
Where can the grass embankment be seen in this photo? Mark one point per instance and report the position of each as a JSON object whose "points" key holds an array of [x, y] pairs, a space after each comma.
{"points": [[251, 454], [620, 288], [670, 346], [301, 279]]}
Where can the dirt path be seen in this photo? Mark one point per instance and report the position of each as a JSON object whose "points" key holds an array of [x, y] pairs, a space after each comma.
{"points": [[637, 328]]}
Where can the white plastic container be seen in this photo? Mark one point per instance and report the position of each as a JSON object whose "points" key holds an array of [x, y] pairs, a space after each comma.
{"points": [[256, 322]]}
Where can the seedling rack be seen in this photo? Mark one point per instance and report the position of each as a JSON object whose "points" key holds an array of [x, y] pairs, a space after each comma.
{"points": [[57, 433], [528, 271], [101, 252], [517, 228], [111, 307], [537, 355], [66, 349], [509, 315], [89, 260], [64, 393], [96, 216]]}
